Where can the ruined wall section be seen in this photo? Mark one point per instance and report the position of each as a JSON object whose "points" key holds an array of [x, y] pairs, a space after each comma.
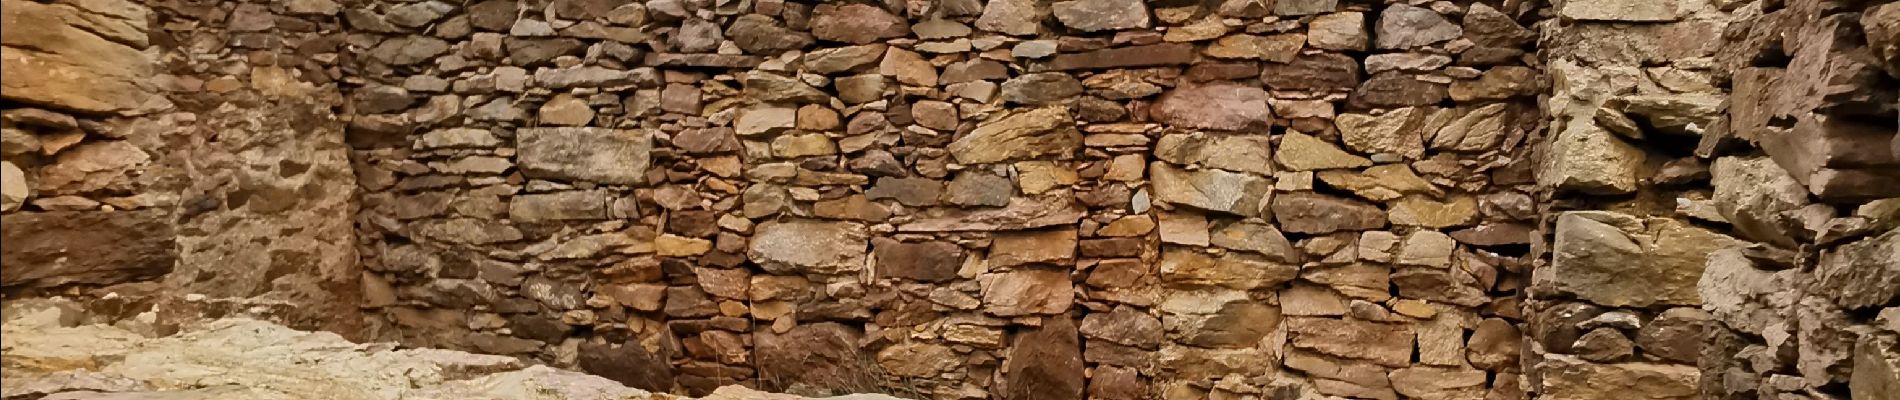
{"points": [[160, 151], [1110, 199], [1712, 229]]}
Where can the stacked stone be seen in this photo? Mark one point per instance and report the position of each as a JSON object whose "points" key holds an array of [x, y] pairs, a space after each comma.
{"points": [[1616, 301], [67, 162], [1809, 308], [953, 199], [1740, 193]]}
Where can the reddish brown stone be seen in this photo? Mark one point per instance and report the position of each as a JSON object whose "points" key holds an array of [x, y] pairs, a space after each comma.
{"points": [[1394, 89], [1223, 106], [45, 249], [818, 356], [1125, 326], [1123, 57], [1118, 247], [1328, 72], [932, 261], [1045, 363], [628, 364]]}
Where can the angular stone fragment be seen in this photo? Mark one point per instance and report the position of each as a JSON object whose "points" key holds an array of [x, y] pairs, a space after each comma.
{"points": [[1399, 132], [1040, 88], [1045, 362], [1255, 237], [1026, 292], [1302, 152], [1499, 83], [1279, 48], [907, 67], [1307, 212], [1486, 26], [1403, 26], [808, 246], [1753, 193], [759, 34], [915, 192], [1013, 17], [931, 261], [980, 189], [1223, 106], [629, 364], [1337, 31], [1862, 274], [1324, 72], [1045, 132], [1586, 158], [1125, 326], [1010, 249], [1213, 190], [1101, 15], [1236, 325], [1379, 183], [1383, 344], [1393, 89], [1596, 252], [1240, 271], [1424, 211], [601, 155], [856, 23], [1243, 153], [839, 59]]}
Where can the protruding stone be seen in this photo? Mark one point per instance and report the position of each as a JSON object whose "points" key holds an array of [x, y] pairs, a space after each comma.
{"points": [[808, 246], [1405, 27]]}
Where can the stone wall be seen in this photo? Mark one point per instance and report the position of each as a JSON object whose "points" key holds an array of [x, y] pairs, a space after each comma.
{"points": [[1713, 225], [1102, 198], [1017, 199]]}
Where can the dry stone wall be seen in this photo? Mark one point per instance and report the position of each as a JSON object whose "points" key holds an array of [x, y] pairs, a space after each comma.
{"points": [[1014, 199], [1730, 157], [1111, 199]]}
